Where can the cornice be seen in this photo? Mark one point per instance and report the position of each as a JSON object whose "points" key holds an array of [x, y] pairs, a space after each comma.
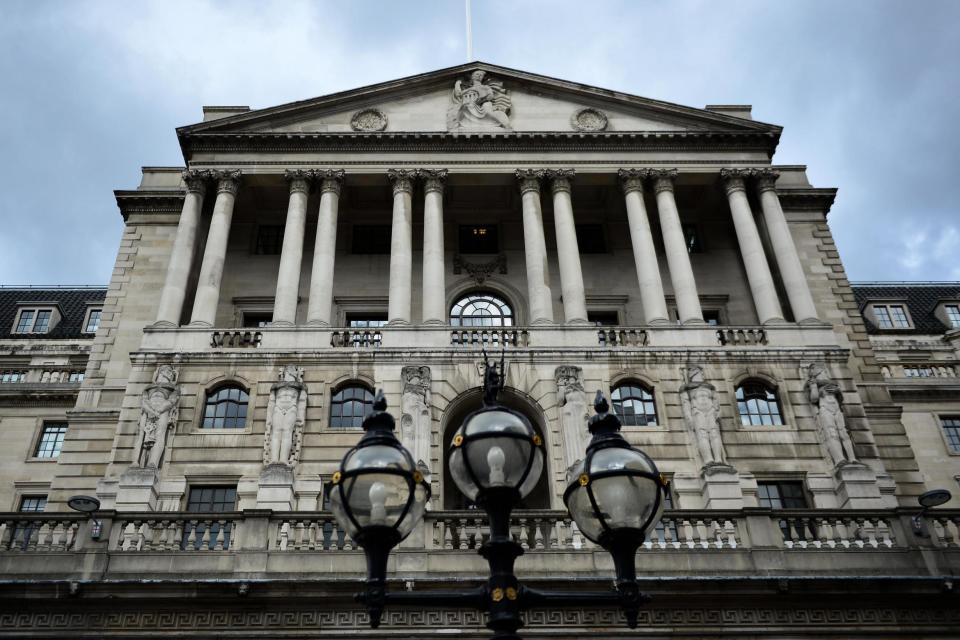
{"points": [[160, 201], [807, 198]]}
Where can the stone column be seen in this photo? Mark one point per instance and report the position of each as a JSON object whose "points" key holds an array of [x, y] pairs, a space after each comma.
{"points": [[535, 248], [211, 269], [320, 304], [784, 249], [675, 244], [751, 248], [568, 253], [401, 246], [181, 256], [288, 278], [644, 252], [434, 287]]}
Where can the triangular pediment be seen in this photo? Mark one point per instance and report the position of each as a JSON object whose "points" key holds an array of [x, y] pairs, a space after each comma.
{"points": [[495, 100]]}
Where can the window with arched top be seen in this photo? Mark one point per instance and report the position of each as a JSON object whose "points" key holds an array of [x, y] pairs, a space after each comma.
{"points": [[758, 404], [481, 309], [226, 408], [633, 403], [349, 406]]}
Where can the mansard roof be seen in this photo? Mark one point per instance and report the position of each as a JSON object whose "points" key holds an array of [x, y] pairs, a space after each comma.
{"points": [[413, 109], [71, 302], [920, 298]]}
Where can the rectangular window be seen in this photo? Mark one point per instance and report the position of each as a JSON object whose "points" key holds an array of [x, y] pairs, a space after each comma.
{"points": [[42, 323], [51, 440], [692, 238], [209, 499], [25, 323], [269, 240], [12, 376], [33, 321], [953, 315], [366, 320], [603, 318], [93, 320], [371, 239], [712, 317], [32, 504], [919, 372], [951, 430], [479, 238], [257, 319], [75, 376], [891, 316], [781, 495], [590, 238]]}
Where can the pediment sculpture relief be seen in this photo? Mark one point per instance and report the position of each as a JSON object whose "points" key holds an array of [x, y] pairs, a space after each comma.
{"points": [[825, 395], [479, 104], [159, 408], [286, 413]]}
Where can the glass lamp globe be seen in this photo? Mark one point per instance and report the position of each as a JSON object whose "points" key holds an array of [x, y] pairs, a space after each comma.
{"points": [[616, 491], [496, 448], [378, 486]]}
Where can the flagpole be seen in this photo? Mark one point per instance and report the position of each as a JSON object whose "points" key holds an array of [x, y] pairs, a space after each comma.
{"points": [[469, 33]]}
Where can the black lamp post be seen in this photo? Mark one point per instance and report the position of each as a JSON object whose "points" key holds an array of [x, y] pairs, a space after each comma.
{"points": [[496, 459]]}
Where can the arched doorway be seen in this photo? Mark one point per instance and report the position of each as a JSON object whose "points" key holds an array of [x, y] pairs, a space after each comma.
{"points": [[453, 417]]}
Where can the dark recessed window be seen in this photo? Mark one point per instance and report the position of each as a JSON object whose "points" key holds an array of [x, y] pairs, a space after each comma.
{"points": [[758, 404], [951, 431], [349, 407], [712, 317], [603, 318], [366, 320], [226, 408], [51, 440], [781, 495], [209, 499], [371, 239], [256, 319], [269, 240], [691, 236], [634, 405], [590, 238], [32, 504], [93, 320], [479, 238]]}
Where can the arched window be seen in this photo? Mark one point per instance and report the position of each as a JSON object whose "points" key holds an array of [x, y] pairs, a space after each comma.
{"points": [[757, 403], [481, 310], [634, 405], [350, 405], [226, 408]]}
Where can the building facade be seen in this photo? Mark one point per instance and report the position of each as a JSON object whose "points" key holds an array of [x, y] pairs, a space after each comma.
{"points": [[311, 253]]}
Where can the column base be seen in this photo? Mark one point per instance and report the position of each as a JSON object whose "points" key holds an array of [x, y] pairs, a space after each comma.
{"points": [[812, 321], [202, 324], [774, 321], [857, 486], [659, 322], [164, 324], [435, 323], [398, 322], [578, 322], [318, 323], [540, 322], [281, 323], [138, 489], [720, 485], [275, 489], [694, 322]]}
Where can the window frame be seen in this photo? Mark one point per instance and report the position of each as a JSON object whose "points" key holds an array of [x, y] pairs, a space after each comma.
{"points": [[35, 310], [340, 388], [463, 299], [886, 306], [217, 388], [782, 482], [89, 315], [941, 418], [952, 322], [645, 387], [35, 446], [771, 387]]}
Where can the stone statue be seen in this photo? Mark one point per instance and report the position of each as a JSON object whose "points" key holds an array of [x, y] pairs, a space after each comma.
{"points": [[701, 413], [573, 412], [825, 395], [159, 407], [286, 413], [479, 105], [415, 422]]}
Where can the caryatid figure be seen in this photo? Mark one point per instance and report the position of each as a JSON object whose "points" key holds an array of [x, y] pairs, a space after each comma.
{"points": [[415, 422], [286, 413], [159, 408], [701, 412], [572, 401], [826, 396]]}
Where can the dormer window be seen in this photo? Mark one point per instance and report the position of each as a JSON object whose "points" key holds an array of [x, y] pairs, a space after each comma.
{"points": [[891, 316], [92, 322], [953, 315], [35, 320]]}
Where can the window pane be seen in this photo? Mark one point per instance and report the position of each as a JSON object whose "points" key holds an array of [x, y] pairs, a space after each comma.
{"points": [[899, 316], [634, 405], [226, 408], [42, 322], [758, 405], [882, 315], [349, 407], [481, 310], [953, 315], [951, 430], [33, 504], [93, 321], [51, 440]]}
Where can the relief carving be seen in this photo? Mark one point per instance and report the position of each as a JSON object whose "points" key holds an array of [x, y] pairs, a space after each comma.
{"points": [[368, 120], [589, 120], [825, 395], [701, 413], [479, 105], [415, 422], [159, 408], [479, 272], [286, 413], [572, 401]]}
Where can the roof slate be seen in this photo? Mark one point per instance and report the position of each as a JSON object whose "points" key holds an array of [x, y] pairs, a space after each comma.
{"points": [[71, 302], [920, 299]]}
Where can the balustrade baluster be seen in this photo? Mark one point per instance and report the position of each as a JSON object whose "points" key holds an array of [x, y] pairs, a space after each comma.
{"points": [[537, 534]]}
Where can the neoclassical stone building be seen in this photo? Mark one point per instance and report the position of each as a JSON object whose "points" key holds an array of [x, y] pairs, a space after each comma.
{"points": [[311, 253]]}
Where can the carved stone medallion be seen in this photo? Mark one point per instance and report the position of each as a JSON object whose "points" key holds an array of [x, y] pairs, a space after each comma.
{"points": [[368, 120], [589, 120]]}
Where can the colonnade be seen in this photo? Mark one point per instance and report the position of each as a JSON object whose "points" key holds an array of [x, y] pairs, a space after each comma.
{"points": [[539, 294]]}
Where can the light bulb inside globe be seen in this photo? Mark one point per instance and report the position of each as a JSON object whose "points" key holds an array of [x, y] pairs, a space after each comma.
{"points": [[496, 459], [378, 502]]}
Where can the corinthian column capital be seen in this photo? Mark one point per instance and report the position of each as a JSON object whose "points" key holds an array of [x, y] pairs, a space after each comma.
{"points": [[766, 179], [663, 179], [733, 178], [196, 180], [299, 180], [529, 179], [402, 180], [331, 180], [433, 179], [228, 181], [632, 179], [560, 179]]}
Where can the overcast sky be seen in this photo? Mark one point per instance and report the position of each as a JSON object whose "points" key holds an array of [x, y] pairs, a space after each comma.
{"points": [[867, 93]]}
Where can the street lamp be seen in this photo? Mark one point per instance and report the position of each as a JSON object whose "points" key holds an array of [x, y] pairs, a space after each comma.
{"points": [[928, 500], [88, 505], [496, 459]]}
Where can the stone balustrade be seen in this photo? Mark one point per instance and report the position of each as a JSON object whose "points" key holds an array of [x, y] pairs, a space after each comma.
{"points": [[46, 374], [741, 336], [926, 370], [38, 532], [489, 336]]}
